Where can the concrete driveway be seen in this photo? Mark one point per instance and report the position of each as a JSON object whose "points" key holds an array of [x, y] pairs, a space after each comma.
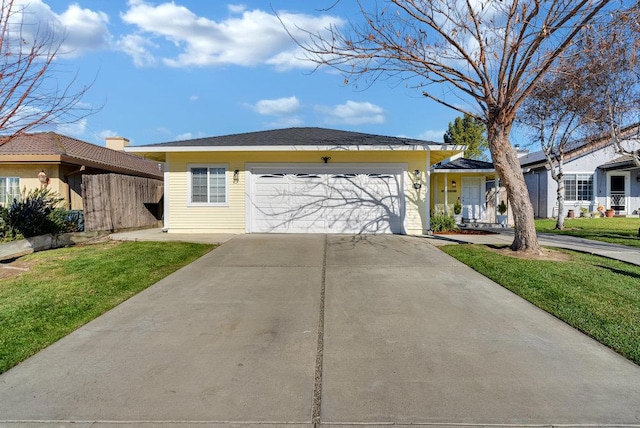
{"points": [[340, 330]]}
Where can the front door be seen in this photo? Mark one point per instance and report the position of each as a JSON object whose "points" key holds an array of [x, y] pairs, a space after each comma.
{"points": [[472, 206], [618, 192]]}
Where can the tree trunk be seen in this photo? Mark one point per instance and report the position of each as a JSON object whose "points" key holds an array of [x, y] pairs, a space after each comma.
{"points": [[560, 198], [505, 160]]}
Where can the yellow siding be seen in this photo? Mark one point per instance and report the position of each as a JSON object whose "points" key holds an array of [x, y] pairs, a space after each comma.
{"points": [[231, 218], [438, 194], [29, 177]]}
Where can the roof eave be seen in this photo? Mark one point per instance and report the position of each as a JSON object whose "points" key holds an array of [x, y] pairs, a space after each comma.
{"points": [[167, 149], [460, 171]]}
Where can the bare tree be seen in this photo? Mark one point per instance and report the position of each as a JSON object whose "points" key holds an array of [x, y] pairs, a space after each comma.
{"points": [[30, 94], [481, 57], [558, 111], [611, 69]]}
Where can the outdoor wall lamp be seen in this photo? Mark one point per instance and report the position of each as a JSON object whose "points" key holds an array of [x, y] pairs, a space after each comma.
{"points": [[326, 159], [453, 183], [43, 179], [416, 173], [236, 175]]}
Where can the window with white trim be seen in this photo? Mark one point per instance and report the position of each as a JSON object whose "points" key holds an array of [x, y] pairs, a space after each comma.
{"points": [[208, 184], [9, 190], [578, 187]]}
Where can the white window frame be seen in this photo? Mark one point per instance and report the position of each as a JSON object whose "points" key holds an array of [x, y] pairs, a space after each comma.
{"points": [[6, 190], [593, 187], [226, 185]]}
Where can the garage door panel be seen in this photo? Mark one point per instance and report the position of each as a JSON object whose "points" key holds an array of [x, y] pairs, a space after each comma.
{"points": [[294, 201]]}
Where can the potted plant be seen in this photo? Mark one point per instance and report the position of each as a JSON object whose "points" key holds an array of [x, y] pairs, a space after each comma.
{"points": [[457, 211], [502, 218], [609, 212]]}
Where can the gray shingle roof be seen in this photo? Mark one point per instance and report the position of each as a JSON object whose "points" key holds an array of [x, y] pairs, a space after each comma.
{"points": [[297, 137], [465, 164], [50, 143]]}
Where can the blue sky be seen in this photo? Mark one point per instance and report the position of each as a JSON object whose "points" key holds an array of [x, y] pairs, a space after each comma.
{"points": [[172, 70]]}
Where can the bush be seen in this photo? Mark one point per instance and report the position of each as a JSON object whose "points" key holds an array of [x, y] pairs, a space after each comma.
{"points": [[39, 213], [443, 223]]}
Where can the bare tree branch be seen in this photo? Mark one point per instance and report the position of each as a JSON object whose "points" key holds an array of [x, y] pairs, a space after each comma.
{"points": [[30, 96]]}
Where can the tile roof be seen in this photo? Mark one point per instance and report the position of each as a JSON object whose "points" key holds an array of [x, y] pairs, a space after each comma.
{"points": [[81, 152], [297, 137], [465, 164]]}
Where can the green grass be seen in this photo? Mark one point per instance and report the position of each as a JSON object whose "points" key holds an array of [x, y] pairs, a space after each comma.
{"points": [[69, 287], [598, 296], [617, 230]]}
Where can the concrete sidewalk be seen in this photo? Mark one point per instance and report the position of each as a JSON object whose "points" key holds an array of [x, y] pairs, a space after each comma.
{"points": [[505, 236], [292, 330], [156, 234]]}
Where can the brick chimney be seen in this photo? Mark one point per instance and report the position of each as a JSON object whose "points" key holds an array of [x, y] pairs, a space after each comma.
{"points": [[117, 143]]}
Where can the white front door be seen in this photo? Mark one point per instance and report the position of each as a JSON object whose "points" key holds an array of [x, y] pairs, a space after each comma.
{"points": [[472, 195], [618, 191], [327, 199]]}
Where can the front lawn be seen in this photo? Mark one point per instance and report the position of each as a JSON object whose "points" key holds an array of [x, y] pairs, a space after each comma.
{"points": [[617, 230], [66, 288], [598, 296]]}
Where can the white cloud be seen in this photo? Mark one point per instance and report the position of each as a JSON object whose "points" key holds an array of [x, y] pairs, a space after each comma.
{"points": [[194, 98], [435, 135], [189, 136], [76, 29], [106, 133], [247, 38], [136, 46], [353, 113], [278, 106], [75, 129], [236, 8]]}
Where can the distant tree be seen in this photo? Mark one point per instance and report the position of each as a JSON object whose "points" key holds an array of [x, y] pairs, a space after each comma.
{"points": [[30, 93], [558, 112], [470, 132], [483, 58], [608, 61]]}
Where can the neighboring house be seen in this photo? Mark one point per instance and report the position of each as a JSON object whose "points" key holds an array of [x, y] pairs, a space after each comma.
{"points": [[594, 175], [298, 180], [31, 161], [470, 181]]}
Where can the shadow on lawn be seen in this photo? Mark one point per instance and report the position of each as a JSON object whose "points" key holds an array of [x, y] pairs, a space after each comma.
{"points": [[619, 271]]}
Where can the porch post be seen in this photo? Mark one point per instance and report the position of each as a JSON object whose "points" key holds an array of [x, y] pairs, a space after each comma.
{"points": [[427, 202], [165, 213], [446, 194]]}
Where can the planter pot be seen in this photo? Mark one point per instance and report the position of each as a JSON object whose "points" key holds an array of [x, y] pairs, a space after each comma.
{"points": [[571, 214], [458, 218], [609, 213], [502, 220]]}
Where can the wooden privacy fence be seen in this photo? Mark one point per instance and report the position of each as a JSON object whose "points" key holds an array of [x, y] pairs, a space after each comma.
{"points": [[115, 202]]}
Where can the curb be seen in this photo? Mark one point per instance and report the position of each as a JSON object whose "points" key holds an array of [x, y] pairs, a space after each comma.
{"points": [[14, 249]]}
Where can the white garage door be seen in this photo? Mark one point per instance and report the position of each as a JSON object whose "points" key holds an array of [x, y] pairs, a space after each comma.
{"points": [[308, 199]]}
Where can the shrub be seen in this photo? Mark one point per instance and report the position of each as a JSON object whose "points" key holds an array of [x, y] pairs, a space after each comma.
{"points": [[502, 208], [442, 223], [457, 207], [35, 214]]}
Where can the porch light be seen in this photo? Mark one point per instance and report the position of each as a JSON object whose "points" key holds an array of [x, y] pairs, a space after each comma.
{"points": [[416, 173], [453, 183], [43, 179], [326, 159], [236, 175]]}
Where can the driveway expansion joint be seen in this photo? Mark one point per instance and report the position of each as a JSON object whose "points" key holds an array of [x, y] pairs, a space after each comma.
{"points": [[317, 388]]}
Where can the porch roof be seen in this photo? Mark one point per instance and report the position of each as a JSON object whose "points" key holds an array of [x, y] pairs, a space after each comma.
{"points": [[463, 165]]}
